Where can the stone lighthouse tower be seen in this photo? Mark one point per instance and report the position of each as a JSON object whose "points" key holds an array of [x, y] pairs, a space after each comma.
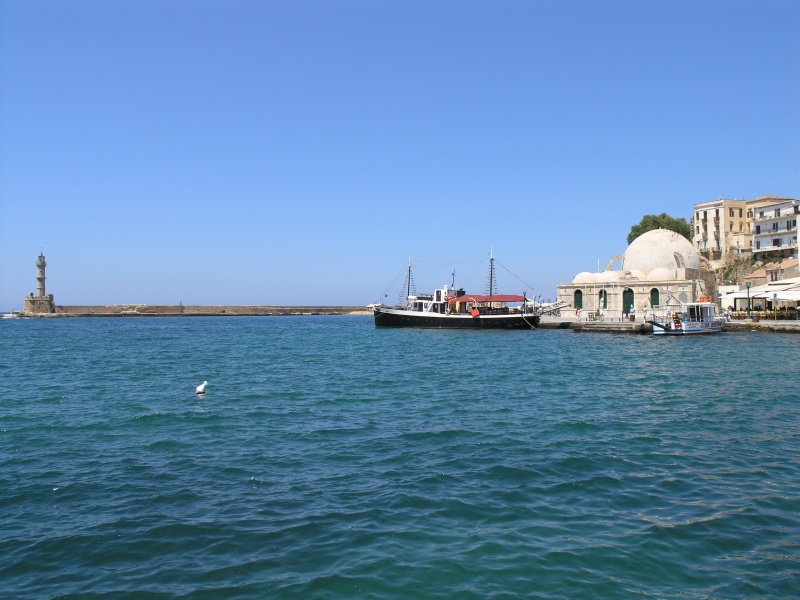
{"points": [[40, 267], [40, 303]]}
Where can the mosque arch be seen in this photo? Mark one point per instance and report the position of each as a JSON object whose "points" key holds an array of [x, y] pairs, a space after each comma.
{"points": [[578, 299], [613, 260]]}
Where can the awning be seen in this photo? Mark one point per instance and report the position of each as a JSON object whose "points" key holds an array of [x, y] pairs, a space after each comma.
{"points": [[786, 296], [495, 298]]}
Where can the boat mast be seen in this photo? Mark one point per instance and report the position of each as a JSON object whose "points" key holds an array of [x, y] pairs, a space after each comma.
{"points": [[491, 285], [408, 279]]}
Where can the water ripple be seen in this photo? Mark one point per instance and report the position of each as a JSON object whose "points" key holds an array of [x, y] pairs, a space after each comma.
{"points": [[331, 459]]}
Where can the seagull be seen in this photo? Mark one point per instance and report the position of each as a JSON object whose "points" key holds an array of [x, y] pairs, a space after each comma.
{"points": [[201, 389]]}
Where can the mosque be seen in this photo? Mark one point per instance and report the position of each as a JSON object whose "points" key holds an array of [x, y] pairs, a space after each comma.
{"points": [[660, 267]]}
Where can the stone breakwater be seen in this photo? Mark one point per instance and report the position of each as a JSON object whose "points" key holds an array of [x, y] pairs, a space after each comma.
{"points": [[146, 310]]}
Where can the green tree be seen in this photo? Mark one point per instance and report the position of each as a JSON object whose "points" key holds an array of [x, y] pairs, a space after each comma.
{"points": [[662, 221]]}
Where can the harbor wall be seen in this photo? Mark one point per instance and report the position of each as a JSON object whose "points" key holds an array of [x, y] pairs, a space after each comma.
{"points": [[145, 310]]}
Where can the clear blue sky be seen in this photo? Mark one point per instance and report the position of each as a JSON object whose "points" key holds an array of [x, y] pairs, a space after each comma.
{"points": [[266, 152]]}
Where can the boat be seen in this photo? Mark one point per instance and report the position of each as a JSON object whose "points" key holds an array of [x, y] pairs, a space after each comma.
{"points": [[453, 308], [14, 314], [690, 319]]}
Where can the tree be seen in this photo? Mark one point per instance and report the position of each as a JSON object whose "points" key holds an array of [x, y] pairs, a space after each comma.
{"points": [[662, 221]]}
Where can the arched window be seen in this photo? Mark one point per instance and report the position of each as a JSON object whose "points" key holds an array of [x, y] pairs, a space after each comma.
{"points": [[578, 299], [655, 297], [602, 299]]}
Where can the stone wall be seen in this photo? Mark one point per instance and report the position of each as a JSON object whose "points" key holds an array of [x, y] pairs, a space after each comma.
{"points": [[39, 304], [133, 310]]}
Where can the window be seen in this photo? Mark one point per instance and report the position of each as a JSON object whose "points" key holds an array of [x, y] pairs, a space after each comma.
{"points": [[740, 213], [730, 213], [774, 227], [603, 299], [776, 242], [758, 229], [758, 244], [750, 214], [578, 299], [654, 297]]}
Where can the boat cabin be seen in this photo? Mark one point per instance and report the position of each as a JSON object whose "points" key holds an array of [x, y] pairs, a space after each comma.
{"points": [[451, 301]]}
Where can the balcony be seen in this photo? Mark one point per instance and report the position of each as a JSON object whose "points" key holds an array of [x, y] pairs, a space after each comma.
{"points": [[771, 248]]}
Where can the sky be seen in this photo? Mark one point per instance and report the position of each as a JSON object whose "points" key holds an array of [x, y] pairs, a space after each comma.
{"points": [[299, 152]]}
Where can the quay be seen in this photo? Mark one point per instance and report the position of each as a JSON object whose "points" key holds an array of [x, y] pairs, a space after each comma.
{"points": [[639, 327], [547, 322]]}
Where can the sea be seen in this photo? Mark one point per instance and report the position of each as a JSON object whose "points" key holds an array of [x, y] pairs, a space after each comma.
{"points": [[330, 459]]}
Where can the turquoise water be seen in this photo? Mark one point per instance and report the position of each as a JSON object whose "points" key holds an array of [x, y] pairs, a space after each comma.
{"points": [[329, 459]]}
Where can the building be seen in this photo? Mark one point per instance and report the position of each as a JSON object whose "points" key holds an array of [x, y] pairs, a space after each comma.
{"points": [[41, 302], [775, 231], [723, 230], [779, 299], [658, 267]]}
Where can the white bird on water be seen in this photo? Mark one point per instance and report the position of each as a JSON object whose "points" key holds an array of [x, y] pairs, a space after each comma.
{"points": [[201, 389]]}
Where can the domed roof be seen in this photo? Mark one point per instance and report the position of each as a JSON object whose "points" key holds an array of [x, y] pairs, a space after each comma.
{"points": [[585, 277], [608, 276], [661, 274], [660, 248]]}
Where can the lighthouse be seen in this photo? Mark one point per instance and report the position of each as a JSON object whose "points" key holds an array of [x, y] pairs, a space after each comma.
{"points": [[40, 267], [41, 302]]}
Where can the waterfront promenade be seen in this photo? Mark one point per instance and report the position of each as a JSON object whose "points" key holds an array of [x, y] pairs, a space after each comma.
{"points": [[640, 327]]}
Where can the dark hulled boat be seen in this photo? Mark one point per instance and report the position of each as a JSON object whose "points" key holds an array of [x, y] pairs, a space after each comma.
{"points": [[451, 308]]}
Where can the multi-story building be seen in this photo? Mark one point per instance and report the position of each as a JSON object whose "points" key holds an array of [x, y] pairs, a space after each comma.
{"points": [[775, 230], [721, 228], [731, 228]]}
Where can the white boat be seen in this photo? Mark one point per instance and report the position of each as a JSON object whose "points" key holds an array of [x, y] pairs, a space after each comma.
{"points": [[690, 319], [14, 314]]}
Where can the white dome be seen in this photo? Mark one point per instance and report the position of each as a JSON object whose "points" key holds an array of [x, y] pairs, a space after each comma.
{"points": [[608, 276], [585, 277], [661, 274], [637, 274], [660, 248]]}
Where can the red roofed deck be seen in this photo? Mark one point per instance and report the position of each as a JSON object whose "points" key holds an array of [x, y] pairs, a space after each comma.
{"points": [[479, 298]]}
